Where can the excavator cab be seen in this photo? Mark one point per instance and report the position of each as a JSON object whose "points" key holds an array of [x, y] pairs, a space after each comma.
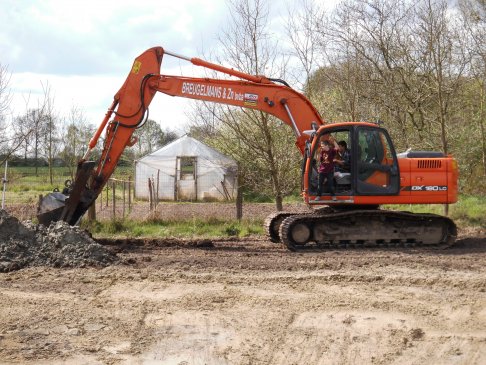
{"points": [[376, 164], [373, 165]]}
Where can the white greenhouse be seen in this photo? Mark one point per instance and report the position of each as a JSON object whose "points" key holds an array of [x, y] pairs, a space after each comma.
{"points": [[186, 170]]}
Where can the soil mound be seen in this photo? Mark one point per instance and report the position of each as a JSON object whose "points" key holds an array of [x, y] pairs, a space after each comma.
{"points": [[59, 245]]}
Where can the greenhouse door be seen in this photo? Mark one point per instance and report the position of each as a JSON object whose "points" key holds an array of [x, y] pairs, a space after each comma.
{"points": [[186, 178]]}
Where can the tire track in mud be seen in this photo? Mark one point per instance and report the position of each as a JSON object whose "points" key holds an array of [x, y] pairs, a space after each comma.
{"points": [[250, 301]]}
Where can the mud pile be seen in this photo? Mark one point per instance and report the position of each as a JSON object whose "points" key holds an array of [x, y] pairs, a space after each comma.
{"points": [[59, 245]]}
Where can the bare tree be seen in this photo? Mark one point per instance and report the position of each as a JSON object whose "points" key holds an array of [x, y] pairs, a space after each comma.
{"points": [[76, 134], [50, 137], [151, 137], [399, 61], [22, 129], [381, 80], [446, 63], [38, 119], [31, 127], [257, 140], [306, 44], [412, 64], [9, 142], [474, 19], [5, 95]]}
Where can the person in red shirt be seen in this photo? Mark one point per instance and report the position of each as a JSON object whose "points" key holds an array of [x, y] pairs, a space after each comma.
{"points": [[326, 168]]}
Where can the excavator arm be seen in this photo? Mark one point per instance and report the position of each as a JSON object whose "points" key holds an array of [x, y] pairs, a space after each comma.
{"points": [[129, 108]]}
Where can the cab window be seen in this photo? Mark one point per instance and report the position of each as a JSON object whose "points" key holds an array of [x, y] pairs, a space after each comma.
{"points": [[377, 169]]}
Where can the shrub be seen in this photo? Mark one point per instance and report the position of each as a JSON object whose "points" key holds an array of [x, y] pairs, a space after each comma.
{"points": [[232, 230]]}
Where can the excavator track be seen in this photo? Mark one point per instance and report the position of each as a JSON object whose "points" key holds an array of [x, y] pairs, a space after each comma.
{"points": [[366, 228], [273, 221], [272, 225]]}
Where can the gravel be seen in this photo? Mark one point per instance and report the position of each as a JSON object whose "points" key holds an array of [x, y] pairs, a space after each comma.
{"points": [[25, 244]]}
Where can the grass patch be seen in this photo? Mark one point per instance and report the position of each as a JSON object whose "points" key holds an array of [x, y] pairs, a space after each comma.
{"points": [[469, 211], [190, 228], [24, 185], [293, 199]]}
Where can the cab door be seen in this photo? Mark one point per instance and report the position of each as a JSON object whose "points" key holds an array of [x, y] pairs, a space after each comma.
{"points": [[343, 182], [375, 168]]}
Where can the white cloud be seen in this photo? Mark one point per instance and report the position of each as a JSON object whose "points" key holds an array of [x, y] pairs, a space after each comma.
{"points": [[93, 95], [91, 37], [84, 49]]}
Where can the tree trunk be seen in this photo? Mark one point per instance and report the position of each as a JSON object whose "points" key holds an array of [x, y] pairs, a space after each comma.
{"points": [[92, 212], [50, 153], [239, 196], [446, 210], [279, 202], [36, 155], [481, 127]]}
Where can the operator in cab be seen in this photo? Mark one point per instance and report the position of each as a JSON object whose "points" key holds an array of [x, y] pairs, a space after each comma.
{"points": [[343, 162], [327, 155]]}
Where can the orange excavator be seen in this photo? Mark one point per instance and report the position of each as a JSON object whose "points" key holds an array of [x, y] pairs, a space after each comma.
{"points": [[375, 174]]}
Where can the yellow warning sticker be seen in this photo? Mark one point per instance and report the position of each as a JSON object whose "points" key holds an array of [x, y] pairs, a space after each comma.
{"points": [[136, 67]]}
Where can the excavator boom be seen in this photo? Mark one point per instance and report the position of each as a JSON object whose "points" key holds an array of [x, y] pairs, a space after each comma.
{"points": [[131, 104]]}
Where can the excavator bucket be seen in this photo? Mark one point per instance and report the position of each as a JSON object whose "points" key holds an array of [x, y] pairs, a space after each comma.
{"points": [[70, 205], [50, 208]]}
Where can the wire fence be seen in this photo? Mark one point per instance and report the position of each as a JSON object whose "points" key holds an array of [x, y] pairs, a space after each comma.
{"points": [[23, 187], [116, 200]]}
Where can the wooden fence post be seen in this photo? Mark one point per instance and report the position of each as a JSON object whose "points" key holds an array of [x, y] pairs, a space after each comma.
{"points": [[92, 208], [129, 194], [150, 193], [124, 193], [239, 196], [114, 204], [157, 190], [92, 213]]}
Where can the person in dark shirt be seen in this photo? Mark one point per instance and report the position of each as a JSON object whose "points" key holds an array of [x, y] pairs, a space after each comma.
{"points": [[343, 163], [326, 168]]}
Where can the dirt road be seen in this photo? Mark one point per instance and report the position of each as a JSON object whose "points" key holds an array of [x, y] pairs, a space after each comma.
{"points": [[251, 302]]}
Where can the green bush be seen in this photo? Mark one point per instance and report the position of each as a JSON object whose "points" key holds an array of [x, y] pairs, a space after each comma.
{"points": [[115, 226], [232, 230]]}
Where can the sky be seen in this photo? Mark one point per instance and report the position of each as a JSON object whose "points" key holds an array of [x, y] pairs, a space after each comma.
{"points": [[83, 50]]}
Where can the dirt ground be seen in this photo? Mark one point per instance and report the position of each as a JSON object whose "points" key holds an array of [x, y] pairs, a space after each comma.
{"points": [[172, 211], [251, 302]]}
